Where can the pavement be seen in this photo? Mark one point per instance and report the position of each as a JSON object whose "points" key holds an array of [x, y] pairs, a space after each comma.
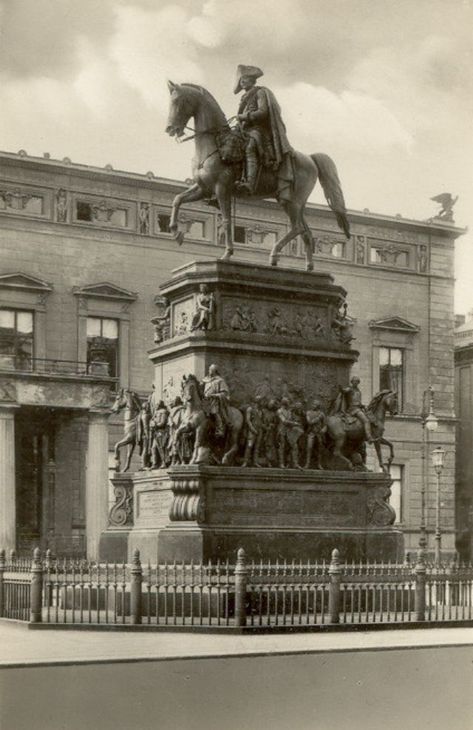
{"points": [[21, 647]]}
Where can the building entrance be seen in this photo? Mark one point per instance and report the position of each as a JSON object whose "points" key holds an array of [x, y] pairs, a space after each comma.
{"points": [[35, 465]]}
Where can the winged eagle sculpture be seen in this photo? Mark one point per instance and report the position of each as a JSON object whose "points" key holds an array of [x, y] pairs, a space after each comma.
{"points": [[447, 201]]}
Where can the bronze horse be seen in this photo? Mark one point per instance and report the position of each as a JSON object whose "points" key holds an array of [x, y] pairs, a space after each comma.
{"points": [[215, 179], [352, 435], [196, 420], [130, 402]]}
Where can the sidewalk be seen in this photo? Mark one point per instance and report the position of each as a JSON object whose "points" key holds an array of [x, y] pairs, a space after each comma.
{"points": [[22, 647]]}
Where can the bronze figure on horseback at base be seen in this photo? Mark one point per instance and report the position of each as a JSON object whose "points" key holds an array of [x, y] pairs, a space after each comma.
{"points": [[255, 159]]}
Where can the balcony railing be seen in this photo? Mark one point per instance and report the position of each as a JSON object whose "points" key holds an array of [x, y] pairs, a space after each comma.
{"points": [[50, 366]]}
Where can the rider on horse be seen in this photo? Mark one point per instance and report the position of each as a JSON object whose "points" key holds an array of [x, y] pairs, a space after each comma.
{"points": [[217, 392], [349, 402], [264, 133]]}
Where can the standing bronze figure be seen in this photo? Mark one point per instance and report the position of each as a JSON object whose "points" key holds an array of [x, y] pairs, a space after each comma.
{"points": [[278, 172]]}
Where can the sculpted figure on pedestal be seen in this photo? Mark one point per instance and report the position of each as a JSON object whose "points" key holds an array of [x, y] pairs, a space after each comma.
{"points": [[162, 322], [217, 393], [270, 432], [291, 428], [342, 325], [316, 428], [349, 403], [159, 436], [204, 317], [254, 432]]}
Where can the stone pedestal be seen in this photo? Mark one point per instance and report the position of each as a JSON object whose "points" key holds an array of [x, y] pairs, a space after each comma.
{"points": [[7, 476], [274, 333], [271, 333], [201, 513]]}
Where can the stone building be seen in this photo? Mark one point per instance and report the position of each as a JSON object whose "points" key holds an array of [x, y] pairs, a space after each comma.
{"points": [[464, 440], [83, 251]]}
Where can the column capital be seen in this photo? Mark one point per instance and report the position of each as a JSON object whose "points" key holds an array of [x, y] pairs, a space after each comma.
{"points": [[8, 408], [99, 415]]}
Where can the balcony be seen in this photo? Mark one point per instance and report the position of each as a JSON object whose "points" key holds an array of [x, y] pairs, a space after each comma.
{"points": [[48, 366]]}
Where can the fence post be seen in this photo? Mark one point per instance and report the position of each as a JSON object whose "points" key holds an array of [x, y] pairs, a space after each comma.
{"points": [[241, 578], [135, 588], [335, 573], [36, 588], [420, 573], [2, 570]]}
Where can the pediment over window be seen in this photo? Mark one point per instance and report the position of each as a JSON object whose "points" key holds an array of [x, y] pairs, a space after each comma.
{"points": [[394, 324], [105, 290], [24, 282]]}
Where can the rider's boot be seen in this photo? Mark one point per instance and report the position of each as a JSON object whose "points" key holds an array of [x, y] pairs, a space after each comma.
{"points": [[249, 185], [368, 435]]}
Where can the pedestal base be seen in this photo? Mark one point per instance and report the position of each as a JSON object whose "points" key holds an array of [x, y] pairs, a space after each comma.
{"points": [[200, 513]]}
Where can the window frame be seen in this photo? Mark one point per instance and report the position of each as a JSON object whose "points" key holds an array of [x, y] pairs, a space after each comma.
{"points": [[115, 371], [15, 311]]}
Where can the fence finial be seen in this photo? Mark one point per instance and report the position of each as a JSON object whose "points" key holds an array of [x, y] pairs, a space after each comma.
{"points": [[136, 557]]}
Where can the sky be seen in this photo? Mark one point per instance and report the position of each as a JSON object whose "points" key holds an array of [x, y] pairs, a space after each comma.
{"points": [[385, 87]]}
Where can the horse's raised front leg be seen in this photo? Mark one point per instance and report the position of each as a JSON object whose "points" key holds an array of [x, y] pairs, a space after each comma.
{"points": [[190, 195]]}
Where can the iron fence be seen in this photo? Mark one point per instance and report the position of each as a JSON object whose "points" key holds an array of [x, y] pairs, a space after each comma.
{"points": [[245, 594]]}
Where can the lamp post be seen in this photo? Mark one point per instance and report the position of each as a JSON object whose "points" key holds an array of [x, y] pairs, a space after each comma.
{"points": [[438, 460], [429, 424]]}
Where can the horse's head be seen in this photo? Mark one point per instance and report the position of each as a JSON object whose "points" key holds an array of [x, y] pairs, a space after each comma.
{"points": [[181, 109], [190, 389], [119, 402]]}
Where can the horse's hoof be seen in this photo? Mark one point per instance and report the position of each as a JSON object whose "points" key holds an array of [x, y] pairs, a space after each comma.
{"points": [[179, 236], [273, 260], [226, 256], [309, 267]]}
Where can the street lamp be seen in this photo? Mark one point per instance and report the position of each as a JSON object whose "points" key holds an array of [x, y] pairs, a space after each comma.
{"points": [[438, 460], [429, 424]]}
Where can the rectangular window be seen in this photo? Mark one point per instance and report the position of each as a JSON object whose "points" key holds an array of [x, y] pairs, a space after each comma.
{"points": [[83, 211], [102, 346], [391, 371], [164, 220], [239, 234], [16, 339], [395, 500]]}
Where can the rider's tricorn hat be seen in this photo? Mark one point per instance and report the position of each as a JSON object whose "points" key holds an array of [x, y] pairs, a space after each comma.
{"points": [[242, 70]]}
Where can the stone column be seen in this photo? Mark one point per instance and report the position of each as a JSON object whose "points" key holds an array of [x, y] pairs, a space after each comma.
{"points": [[7, 477], [96, 483]]}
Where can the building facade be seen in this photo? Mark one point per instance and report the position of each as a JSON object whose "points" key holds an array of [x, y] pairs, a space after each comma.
{"points": [[82, 254], [464, 440]]}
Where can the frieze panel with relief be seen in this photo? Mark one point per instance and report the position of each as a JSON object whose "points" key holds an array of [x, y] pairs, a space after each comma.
{"points": [[103, 212], [182, 314], [270, 318], [330, 245], [395, 255], [272, 380], [21, 201]]}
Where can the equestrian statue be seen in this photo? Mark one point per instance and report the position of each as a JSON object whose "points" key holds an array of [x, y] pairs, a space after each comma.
{"points": [[253, 159]]}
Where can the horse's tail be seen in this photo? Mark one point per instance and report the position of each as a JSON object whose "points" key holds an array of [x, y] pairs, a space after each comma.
{"points": [[332, 189]]}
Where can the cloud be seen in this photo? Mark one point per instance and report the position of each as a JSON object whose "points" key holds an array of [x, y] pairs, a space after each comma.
{"points": [[319, 117], [151, 46]]}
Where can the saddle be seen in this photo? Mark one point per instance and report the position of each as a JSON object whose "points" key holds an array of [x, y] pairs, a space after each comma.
{"points": [[231, 146]]}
